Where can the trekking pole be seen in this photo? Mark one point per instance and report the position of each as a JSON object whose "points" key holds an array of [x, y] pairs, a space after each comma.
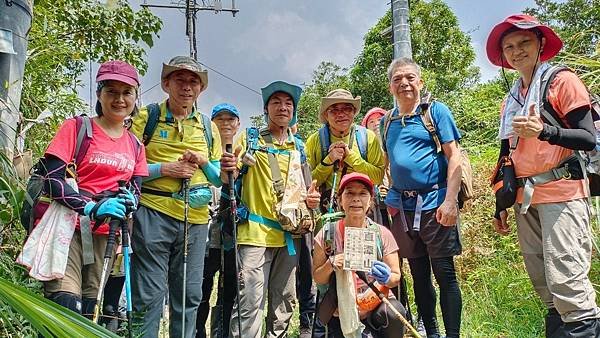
{"points": [[113, 224], [363, 277], [233, 202], [186, 210], [127, 267], [336, 169]]}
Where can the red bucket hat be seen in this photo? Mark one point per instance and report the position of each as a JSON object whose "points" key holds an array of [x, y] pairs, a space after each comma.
{"points": [[362, 178], [372, 113], [524, 22], [118, 70]]}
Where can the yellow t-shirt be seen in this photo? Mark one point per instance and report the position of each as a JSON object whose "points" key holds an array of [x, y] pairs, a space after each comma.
{"points": [[168, 143], [372, 167], [259, 196]]}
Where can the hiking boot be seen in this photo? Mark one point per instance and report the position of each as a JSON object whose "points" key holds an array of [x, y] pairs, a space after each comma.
{"points": [[305, 331], [581, 329], [421, 328], [553, 322]]}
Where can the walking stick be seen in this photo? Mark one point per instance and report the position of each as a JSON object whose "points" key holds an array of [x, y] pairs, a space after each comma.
{"points": [[127, 263], [336, 170], [186, 225], [233, 202], [113, 224], [363, 277]]}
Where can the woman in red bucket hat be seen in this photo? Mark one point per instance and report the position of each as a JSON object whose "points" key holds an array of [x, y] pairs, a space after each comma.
{"points": [[551, 211]]}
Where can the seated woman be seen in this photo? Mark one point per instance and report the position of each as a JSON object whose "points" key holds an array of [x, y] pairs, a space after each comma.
{"points": [[354, 197]]}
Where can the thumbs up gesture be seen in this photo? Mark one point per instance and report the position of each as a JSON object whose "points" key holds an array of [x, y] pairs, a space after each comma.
{"points": [[528, 126], [313, 196]]}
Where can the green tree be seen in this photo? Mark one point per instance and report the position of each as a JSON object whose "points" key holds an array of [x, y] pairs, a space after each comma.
{"points": [[438, 44], [65, 36], [575, 21], [327, 77]]}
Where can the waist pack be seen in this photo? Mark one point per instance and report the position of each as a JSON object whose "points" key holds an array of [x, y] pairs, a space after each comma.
{"points": [[504, 183]]}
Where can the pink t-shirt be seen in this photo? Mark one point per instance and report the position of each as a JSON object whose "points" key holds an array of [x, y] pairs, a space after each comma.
{"points": [[533, 156], [107, 160], [389, 247]]}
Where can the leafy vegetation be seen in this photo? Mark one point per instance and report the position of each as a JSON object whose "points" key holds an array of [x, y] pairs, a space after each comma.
{"points": [[497, 295]]}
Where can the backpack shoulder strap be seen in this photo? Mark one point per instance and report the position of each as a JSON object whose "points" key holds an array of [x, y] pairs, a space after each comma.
{"points": [[384, 127], [324, 140], [546, 109], [151, 123], [137, 143], [84, 137], [362, 141], [207, 133], [430, 125]]}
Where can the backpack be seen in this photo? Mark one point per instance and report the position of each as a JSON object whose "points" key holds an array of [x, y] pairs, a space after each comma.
{"points": [[34, 192], [466, 180], [590, 159], [361, 140], [154, 118]]}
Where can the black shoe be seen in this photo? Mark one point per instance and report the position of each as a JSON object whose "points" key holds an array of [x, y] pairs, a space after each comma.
{"points": [[582, 329], [305, 331]]}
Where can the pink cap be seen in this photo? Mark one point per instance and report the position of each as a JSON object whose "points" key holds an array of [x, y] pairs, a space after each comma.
{"points": [[118, 70], [362, 178], [372, 113]]}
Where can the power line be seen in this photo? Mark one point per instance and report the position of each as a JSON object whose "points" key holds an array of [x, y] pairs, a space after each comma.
{"points": [[218, 72]]}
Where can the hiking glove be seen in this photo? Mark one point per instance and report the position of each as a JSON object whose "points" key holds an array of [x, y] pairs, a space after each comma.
{"points": [[381, 272], [129, 197], [113, 207]]}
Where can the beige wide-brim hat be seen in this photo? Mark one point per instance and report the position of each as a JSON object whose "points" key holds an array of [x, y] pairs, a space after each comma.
{"points": [[337, 96], [184, 63]]}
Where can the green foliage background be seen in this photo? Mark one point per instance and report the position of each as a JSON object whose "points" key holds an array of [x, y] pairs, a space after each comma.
{"points": [[498, 300]]}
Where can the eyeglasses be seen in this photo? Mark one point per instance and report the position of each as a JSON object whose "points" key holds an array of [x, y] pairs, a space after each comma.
{"points": [[343, 109]]}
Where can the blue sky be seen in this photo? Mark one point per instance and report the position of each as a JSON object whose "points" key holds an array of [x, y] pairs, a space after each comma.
{"points": [[272, 40]]}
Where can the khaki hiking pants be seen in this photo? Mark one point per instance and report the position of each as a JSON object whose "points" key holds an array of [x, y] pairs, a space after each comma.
{"points": [[269, 272], [556, 244]]}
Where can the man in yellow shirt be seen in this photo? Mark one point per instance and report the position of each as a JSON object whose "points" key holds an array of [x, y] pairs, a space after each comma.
{"points": [[183, 144], [267, 254], [341, 145]]}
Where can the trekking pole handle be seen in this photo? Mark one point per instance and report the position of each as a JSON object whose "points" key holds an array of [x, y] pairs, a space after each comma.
{"points": [[363, 277]]}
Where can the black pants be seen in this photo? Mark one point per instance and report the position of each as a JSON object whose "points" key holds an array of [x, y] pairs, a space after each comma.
{"points": [[304, 290], [425, 296], [212, 264], [381, 323]]}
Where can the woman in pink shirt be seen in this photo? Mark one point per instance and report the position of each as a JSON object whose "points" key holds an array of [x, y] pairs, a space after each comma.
{"points": [[111, 154]]}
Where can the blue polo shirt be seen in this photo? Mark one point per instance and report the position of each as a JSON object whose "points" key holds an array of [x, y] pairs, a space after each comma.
{"points": [[414, 162]]}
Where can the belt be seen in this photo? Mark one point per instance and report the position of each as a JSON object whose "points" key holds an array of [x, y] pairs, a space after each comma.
{"points": [[157, 192], [418, 194]]}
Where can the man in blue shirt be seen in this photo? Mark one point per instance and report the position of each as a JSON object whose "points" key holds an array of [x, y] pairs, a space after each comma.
{"points": [[423, 195]]}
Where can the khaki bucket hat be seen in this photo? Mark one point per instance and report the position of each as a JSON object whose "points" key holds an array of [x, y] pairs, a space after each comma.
{"points": [[184, 63], [337, 96]]}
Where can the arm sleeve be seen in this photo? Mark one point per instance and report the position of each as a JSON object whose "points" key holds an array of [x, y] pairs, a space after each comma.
{"points": [[374, 165], [580, 136], [57, 187], [212, 171]]}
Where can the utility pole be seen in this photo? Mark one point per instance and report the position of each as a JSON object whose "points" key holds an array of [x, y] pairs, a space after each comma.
{"points": [[15, 22], [191, 8], [401, 29]]}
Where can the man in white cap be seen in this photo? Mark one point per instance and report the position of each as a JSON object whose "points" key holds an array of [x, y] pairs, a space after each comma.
{"points": [[181, 144]]}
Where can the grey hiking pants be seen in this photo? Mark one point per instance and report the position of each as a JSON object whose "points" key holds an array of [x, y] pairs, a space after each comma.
{"points": [[157, 267], [270, 272], [556, 244]]}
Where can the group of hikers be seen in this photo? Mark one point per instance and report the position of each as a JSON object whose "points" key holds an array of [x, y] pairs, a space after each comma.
{"points": [[205, 196]]}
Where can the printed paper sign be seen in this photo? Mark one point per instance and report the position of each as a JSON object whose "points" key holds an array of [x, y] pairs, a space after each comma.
{"points": [[360, 248]]}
